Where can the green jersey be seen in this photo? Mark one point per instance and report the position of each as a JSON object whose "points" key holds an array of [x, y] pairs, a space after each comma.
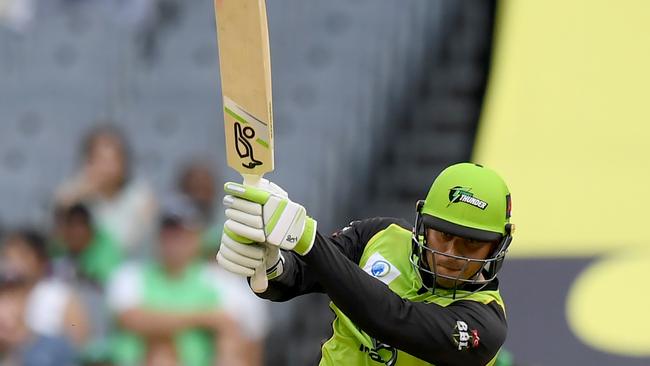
{"points": [[384, 314]]}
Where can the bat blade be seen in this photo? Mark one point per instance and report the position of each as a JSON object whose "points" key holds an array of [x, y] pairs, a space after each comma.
{"points": [[245, 68], [245, 65]]}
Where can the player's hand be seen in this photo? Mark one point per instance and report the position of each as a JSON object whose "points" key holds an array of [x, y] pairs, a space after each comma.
{"points": [[242, 256], [265, 214]]}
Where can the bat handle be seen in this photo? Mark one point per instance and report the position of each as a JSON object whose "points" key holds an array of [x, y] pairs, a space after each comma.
{"points": [[259, 282]]}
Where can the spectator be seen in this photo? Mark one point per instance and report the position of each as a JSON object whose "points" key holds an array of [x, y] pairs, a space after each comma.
{"points": [[19, 346], [89, 253], [250, 312], [170, 311], [88, 256], [197, 184], [13, 329], [45, 307], [121, 204]]}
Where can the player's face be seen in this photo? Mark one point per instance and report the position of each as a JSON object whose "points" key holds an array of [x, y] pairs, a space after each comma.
{"points": [[456, 246]]}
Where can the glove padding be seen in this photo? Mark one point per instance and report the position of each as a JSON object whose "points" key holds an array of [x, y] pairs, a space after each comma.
{"points": [[243, 258], [265, 214]]}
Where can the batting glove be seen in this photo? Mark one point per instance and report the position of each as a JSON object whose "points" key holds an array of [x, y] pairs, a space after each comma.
{"points": [[242, 256], [265, 214]]}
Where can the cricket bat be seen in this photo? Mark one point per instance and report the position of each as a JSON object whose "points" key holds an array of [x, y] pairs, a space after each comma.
{"points": [[245, 65]]}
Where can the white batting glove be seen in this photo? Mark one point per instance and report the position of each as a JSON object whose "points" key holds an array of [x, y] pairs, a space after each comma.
{"points": [[265, 214], [241, 256]]}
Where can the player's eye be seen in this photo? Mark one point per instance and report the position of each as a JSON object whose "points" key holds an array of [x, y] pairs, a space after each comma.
{"points": [[446, 236], [474, 244]]}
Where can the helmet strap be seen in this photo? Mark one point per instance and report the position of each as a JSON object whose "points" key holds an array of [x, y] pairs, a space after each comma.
{"points": [[419, 238], [500, 252]]}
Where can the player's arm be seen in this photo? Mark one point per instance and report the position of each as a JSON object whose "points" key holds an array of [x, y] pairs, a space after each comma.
{"points": [[420, 329], [296, 277], [289, 275]]}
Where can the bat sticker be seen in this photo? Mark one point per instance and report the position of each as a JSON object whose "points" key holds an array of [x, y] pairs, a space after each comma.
{"points": [[244, 146]]}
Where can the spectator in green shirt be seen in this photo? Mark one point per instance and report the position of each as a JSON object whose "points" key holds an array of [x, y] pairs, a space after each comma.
{"points": [[171, 311], [87, 257], [88, 252]]}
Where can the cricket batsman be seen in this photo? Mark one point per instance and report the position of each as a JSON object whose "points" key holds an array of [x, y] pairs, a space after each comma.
{"points": [[402, 295]]}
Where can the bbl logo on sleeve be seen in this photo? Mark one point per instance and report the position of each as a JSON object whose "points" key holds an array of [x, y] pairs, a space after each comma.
{"points": [[465, 338]]}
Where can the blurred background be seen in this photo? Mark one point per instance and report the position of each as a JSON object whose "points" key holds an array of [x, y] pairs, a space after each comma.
{"points": [[111, 158]]}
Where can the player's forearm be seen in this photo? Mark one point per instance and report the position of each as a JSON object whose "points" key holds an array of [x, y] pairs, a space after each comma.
{"points": [[295, 280], [423, 330]]}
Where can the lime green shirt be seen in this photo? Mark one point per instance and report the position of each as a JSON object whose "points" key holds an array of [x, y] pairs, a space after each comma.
{"points": [[192, 291], [98, 261]]}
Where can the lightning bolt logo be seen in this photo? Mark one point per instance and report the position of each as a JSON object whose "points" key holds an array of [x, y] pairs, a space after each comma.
{"points": [[456, 192]]}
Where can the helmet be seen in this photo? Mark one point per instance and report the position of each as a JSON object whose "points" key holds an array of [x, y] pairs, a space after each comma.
{"points": [[469, 201]]}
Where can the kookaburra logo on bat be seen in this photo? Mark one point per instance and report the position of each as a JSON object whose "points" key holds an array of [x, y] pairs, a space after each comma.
{"points": [[243, 138]]}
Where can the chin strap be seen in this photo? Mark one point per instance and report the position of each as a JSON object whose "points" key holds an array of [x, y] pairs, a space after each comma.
{"points": [[428, 279]]}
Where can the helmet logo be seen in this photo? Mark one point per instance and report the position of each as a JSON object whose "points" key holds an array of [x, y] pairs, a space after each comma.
{"points": [[464, 195]]}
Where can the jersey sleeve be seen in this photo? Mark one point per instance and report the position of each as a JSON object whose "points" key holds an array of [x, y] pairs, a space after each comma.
{"points": [[297, 279], [463, 333]]}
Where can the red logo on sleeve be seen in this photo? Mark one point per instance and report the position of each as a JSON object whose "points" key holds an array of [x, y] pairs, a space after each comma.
{"points": [[475, 338]]}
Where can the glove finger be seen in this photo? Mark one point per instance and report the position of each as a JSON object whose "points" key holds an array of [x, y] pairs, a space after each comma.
{"points": [[232, 267], [245, 218], [245, 232], [249, 193], [249, 250], [242, 205], [269, 186], [276, 189], [239, 259]]}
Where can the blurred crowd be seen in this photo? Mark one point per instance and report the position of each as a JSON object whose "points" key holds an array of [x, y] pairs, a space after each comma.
{"points": [[18, 15], [124, 277]]}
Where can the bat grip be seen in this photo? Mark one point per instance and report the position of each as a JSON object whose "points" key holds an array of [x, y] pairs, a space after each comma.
{"points": [[259, 282]]}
